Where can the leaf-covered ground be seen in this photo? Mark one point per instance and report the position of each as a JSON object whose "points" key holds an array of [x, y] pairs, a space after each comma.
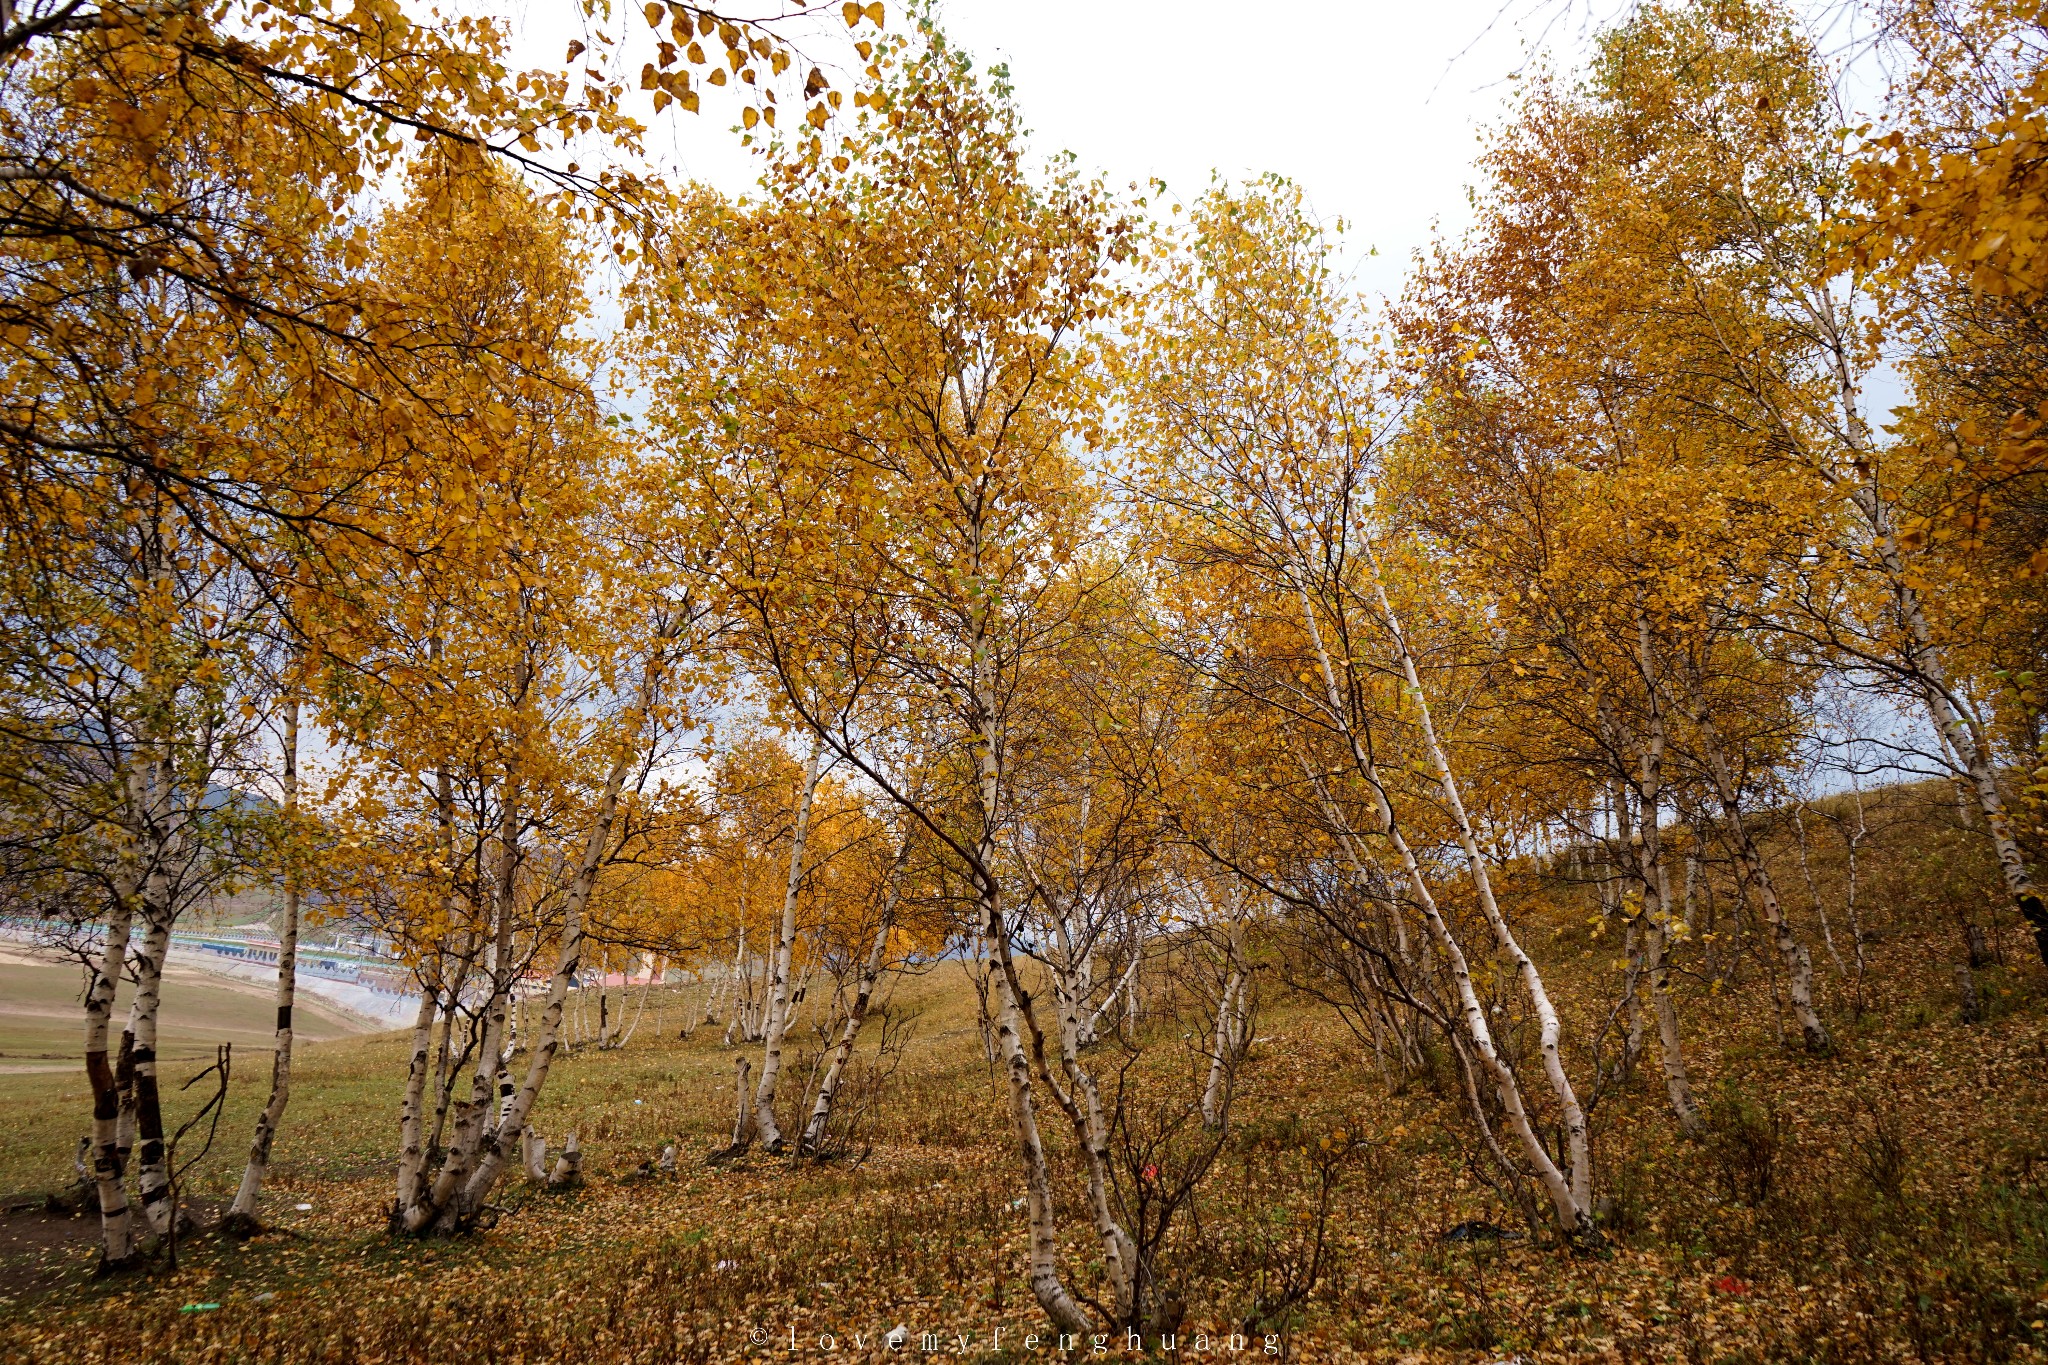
{"points": [[1882, 1203]]}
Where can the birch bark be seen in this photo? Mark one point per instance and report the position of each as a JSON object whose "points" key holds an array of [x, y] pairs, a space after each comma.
{"points": [[241, 1215], [1082, 1100], [1046, 1285], [1798, 964], [1574, 1217], [484, 1105], [1227, 1043], [1920, 659], [776, 1024], [1646, 842], [856, 1014], [1079, 1098], [117, 1236], [1548, 1027], [153, 1176], [504, 1148], [1820, 908], [646, 989], [412, 1108], [124, 1082], [412, 1153]]}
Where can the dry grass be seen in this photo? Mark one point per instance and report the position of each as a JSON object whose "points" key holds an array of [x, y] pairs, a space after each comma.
{"points": [[40, 1023], [1900, 1214]]}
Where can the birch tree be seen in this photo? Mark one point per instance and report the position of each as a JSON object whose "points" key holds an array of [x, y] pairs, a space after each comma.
{"points": [[887, 358], [779, 1002], [241, 1216], [1757, 192], [867, 976], [1259, 417], [128, 677], [1645, 524]]}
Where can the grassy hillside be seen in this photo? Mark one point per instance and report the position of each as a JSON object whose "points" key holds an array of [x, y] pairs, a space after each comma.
{"points": [[1882, 1203], [40, 1023]]}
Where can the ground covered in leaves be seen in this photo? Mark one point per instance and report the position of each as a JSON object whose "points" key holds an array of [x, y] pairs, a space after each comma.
{"points": [[1886, 1202]]}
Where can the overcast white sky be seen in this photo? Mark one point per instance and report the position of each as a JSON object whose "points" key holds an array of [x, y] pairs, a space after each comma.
{"points": [[1372, 106], [1369, 105]]}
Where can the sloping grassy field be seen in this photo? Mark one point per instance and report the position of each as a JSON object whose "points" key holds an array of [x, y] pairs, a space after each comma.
{"points": [[41, 1027], [1883, 1203]]}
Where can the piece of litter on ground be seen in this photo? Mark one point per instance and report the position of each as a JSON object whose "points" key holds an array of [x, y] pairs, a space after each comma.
{"points": [[266, 1296], [303, 1208], [199, 1308], [723, 1265]]}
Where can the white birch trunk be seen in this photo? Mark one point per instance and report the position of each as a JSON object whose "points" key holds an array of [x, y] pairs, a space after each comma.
{"points": [[451, 1204], [1798, 965], [1549, 1030], [1126, 989], [242, 1213], [736, 1026], [1820, 909], [1852, 840], [1225, 1045], [412, 1108], [1647, 842], [1091, 1128], [1918, 660], [857, 1012], [1677, 1081], [742, 1103], [776, 1025], [1927, 668], [1613, 910], [568, 1172], [1632, 989], [1573, 1216], [1046, 1285], [1079, 1098], [646, 990], [124, 1080], [117, 1235], [474, 1115], [1959, 777], [152, 1166], [503, 1150]]}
